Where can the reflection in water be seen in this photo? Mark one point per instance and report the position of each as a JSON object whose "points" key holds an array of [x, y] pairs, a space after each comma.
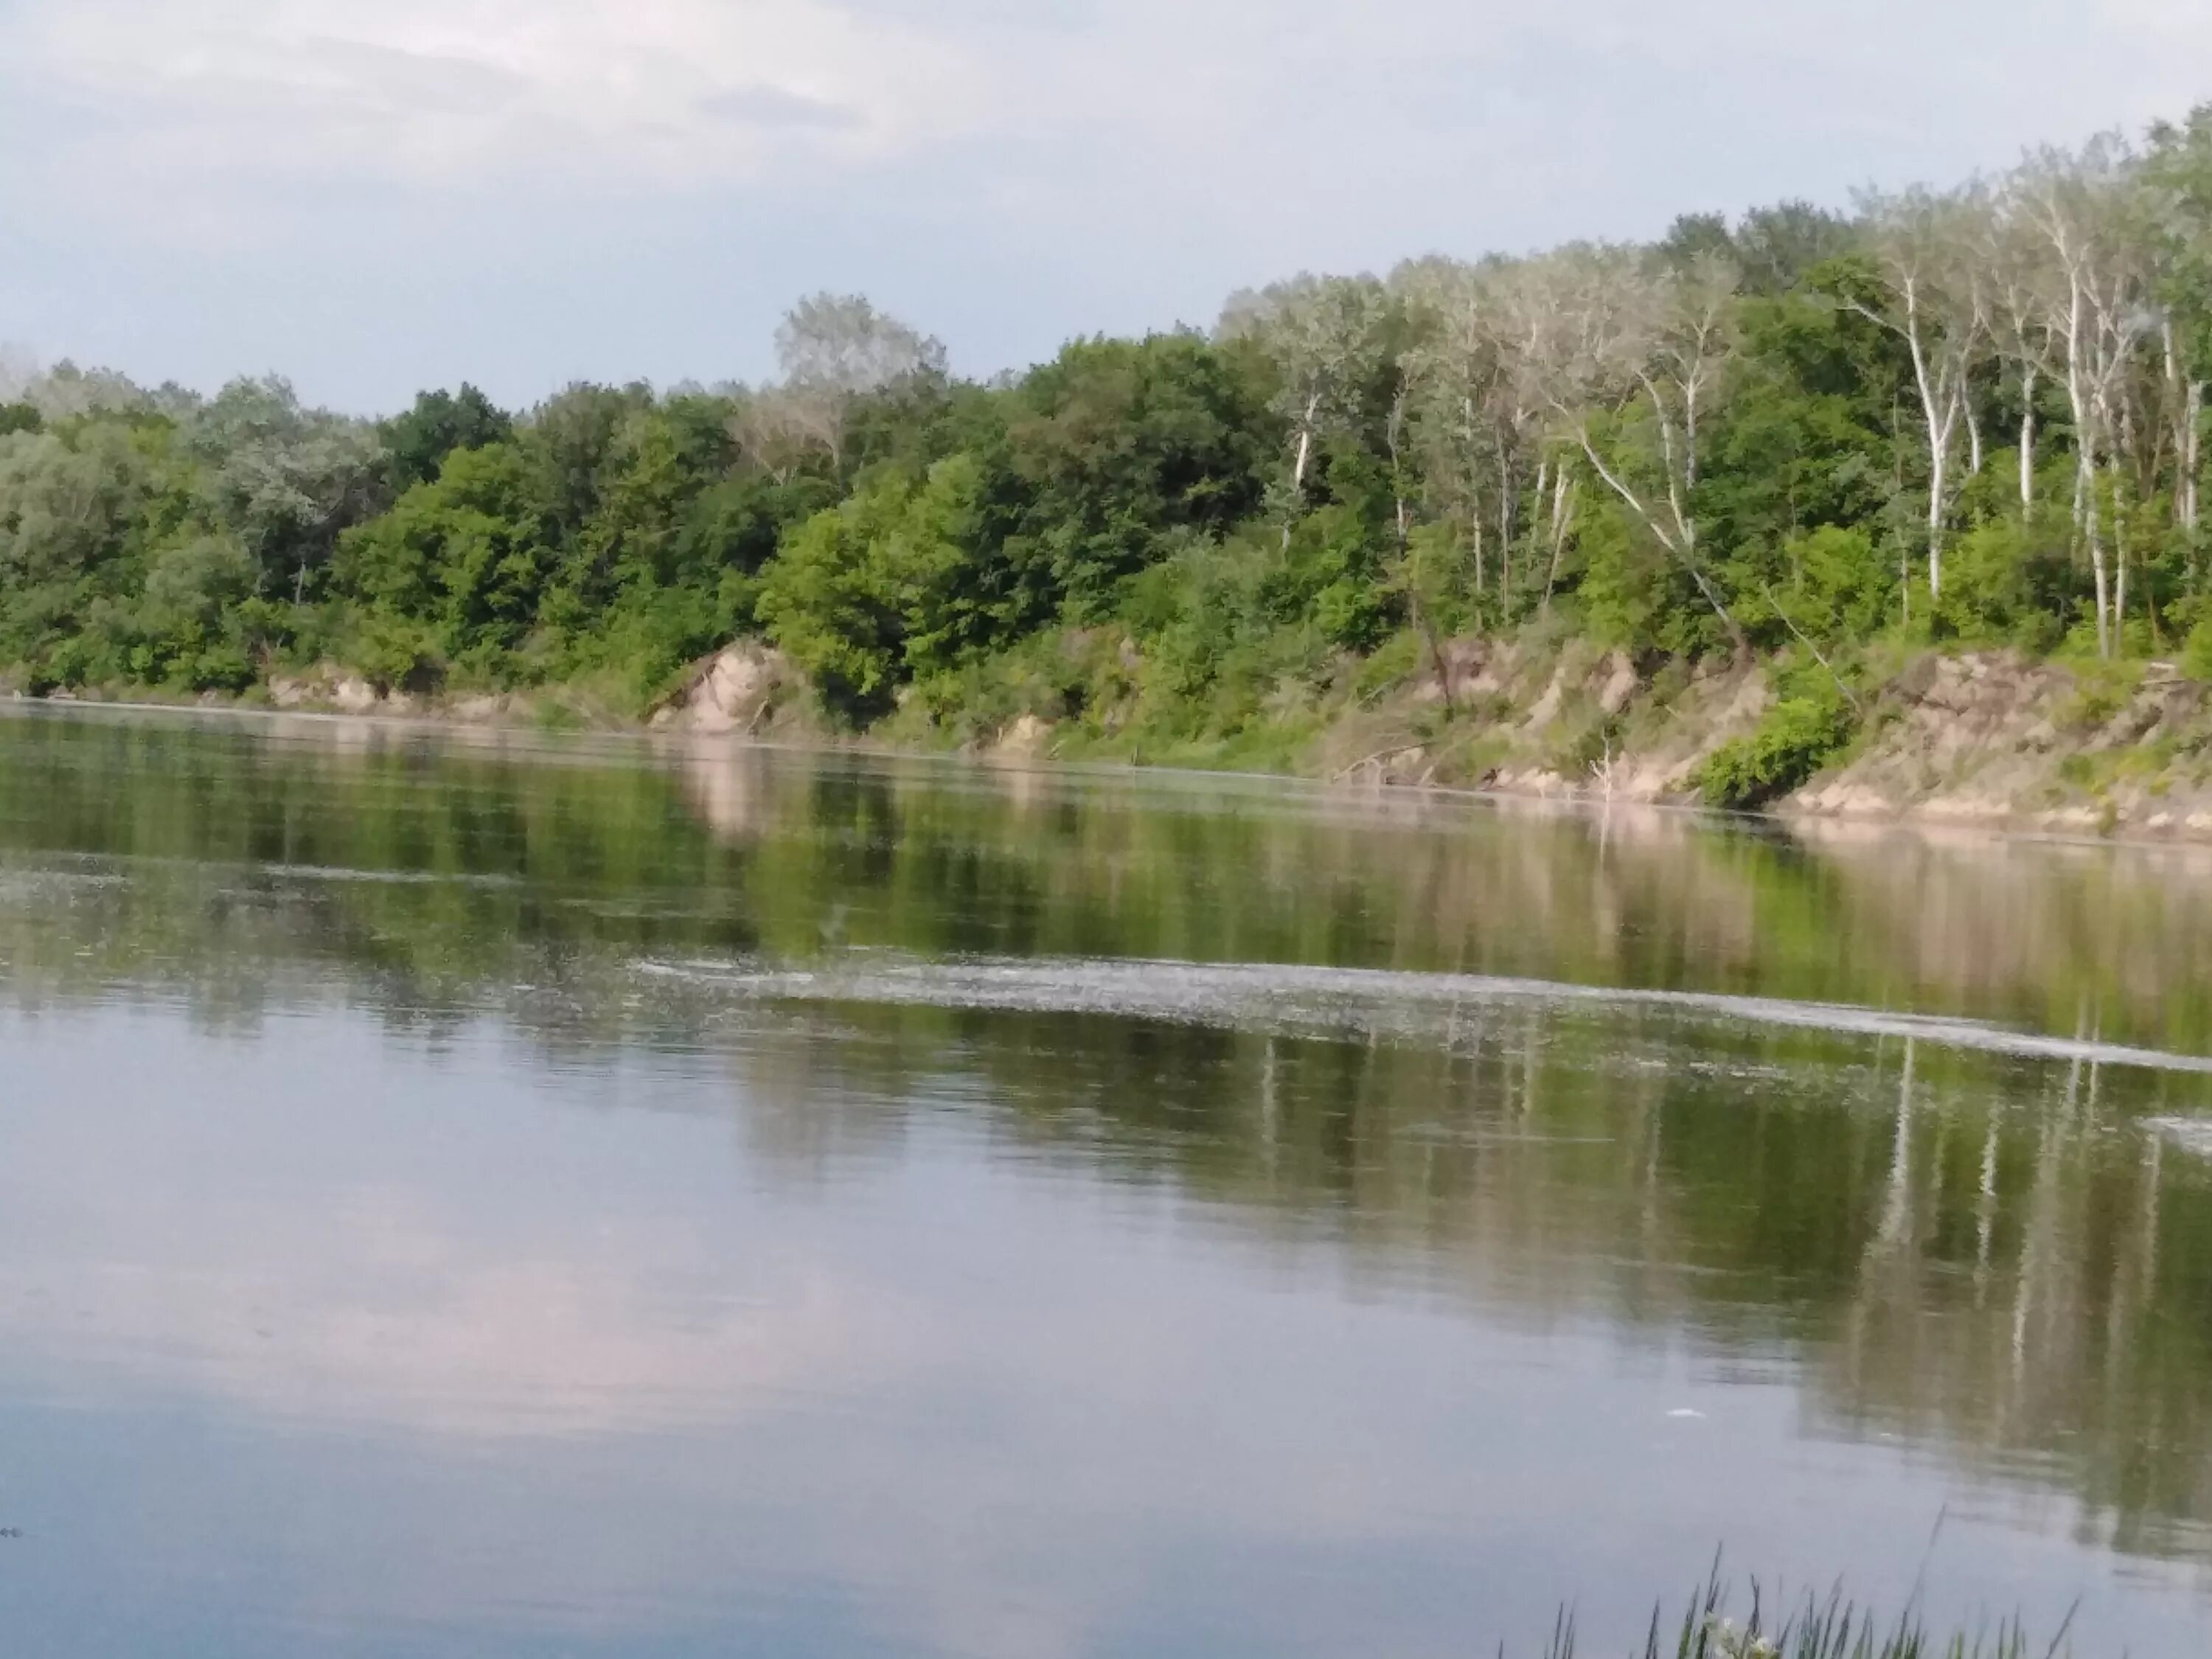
{"points": [[1963, 1262], [1356, 1001], [531, 1195], [735, 848]]}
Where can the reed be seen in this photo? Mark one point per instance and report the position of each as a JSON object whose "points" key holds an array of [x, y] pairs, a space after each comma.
{"points": [[1815, 1627]]}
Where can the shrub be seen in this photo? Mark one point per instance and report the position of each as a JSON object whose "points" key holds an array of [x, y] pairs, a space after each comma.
{"points": [[1797, 737], [2197, 651], [2008, 583], [1588, 745], [2101, 689], [1841, 584], [397, 653]]}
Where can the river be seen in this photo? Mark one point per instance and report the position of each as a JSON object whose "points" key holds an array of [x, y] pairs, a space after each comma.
{"points": [[500, 1194]]}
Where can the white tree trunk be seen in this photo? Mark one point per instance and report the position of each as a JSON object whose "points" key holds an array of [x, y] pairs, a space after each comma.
{"points": [[2085, 488], [2028, 439], [1562, 515], [2192, 416], [2119, 560], [2085, 445], [1936, 527], [1939, 408], [1681, 541], [1299, 466], [1305, 443]]}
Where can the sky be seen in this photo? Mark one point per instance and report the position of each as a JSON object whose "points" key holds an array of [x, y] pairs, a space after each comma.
{"points": [[375, 196]]}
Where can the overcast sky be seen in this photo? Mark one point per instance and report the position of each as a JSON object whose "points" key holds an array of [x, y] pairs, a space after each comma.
{"points": [[372, 195]]}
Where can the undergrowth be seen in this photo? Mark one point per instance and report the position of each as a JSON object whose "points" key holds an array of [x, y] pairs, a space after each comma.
{"points": [[1797, 736]]}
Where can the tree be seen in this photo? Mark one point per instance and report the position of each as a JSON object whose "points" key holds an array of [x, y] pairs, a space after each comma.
{"points": [[466, 556], [574, 440], [1776, 247], [2086, 210], [286, 481], [19, 373], [1475, 401], [66, 391], [1693, 237], [774, 430], [869, 593], [1712, 438], [1632, 357], [2177, 171], [439, 423], [1925, 246], [835, 350], [1329, 338], [77, 517], [189, 627], [1118, 444], [2019, 281]]}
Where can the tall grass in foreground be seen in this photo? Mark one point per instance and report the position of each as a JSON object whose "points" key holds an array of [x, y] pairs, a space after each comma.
{"points": [[1814, 1628]]}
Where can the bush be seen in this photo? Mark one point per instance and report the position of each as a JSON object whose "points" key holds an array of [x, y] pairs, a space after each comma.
{"points": [[2006, 583], [1798, 736], [1588, 745], [868, 594], [2101, 689], [397, 654], [2197, 651], [1842, 585]]}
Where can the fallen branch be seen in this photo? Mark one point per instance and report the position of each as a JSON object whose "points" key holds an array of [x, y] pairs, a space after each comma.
{"points": [[1849, 697]]}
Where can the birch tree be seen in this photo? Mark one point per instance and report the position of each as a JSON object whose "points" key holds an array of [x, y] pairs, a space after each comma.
{"points": [[19, 371], [2080, 205], [1923, 246], [774, 429], [1472, 400], [1561, 520], [1327, 335], [2185, 406], [2018, 282], [1521, 297], [2179, 170], [833, 350], [1608, 337]]}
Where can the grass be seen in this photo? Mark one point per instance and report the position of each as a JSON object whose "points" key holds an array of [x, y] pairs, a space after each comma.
{"points": [[2101, 689], [1814, 1628]]}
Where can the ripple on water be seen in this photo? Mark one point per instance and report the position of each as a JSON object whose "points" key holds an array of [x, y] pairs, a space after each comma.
{"points": [[1298, 999]]}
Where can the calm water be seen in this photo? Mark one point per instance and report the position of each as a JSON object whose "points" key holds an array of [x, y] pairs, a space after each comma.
{"points": [[513, 1195]]}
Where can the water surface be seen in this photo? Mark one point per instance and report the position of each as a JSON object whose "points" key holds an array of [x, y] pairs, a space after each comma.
{"points": [[471, 1194]]}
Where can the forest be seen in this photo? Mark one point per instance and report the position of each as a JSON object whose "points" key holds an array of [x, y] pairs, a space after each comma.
{"points": [[1964, 417]]}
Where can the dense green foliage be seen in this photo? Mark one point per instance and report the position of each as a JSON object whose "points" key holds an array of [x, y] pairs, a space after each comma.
{"points": [[1798, 736], [1973, 416]]}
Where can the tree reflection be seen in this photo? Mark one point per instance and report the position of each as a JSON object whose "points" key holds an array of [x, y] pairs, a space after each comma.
{"points": [[1982, 1252]]}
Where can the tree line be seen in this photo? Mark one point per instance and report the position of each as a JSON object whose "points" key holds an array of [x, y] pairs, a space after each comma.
{"points": [[1970, 415]]}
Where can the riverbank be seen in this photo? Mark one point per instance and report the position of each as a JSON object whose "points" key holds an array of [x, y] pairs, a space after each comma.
{"points": [[1985, 739]]}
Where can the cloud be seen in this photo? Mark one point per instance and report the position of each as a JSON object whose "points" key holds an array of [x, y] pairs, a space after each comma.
{"points": [[525, 190], [1251, 101], [404, 84], [772, 107], [664, 92]]}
